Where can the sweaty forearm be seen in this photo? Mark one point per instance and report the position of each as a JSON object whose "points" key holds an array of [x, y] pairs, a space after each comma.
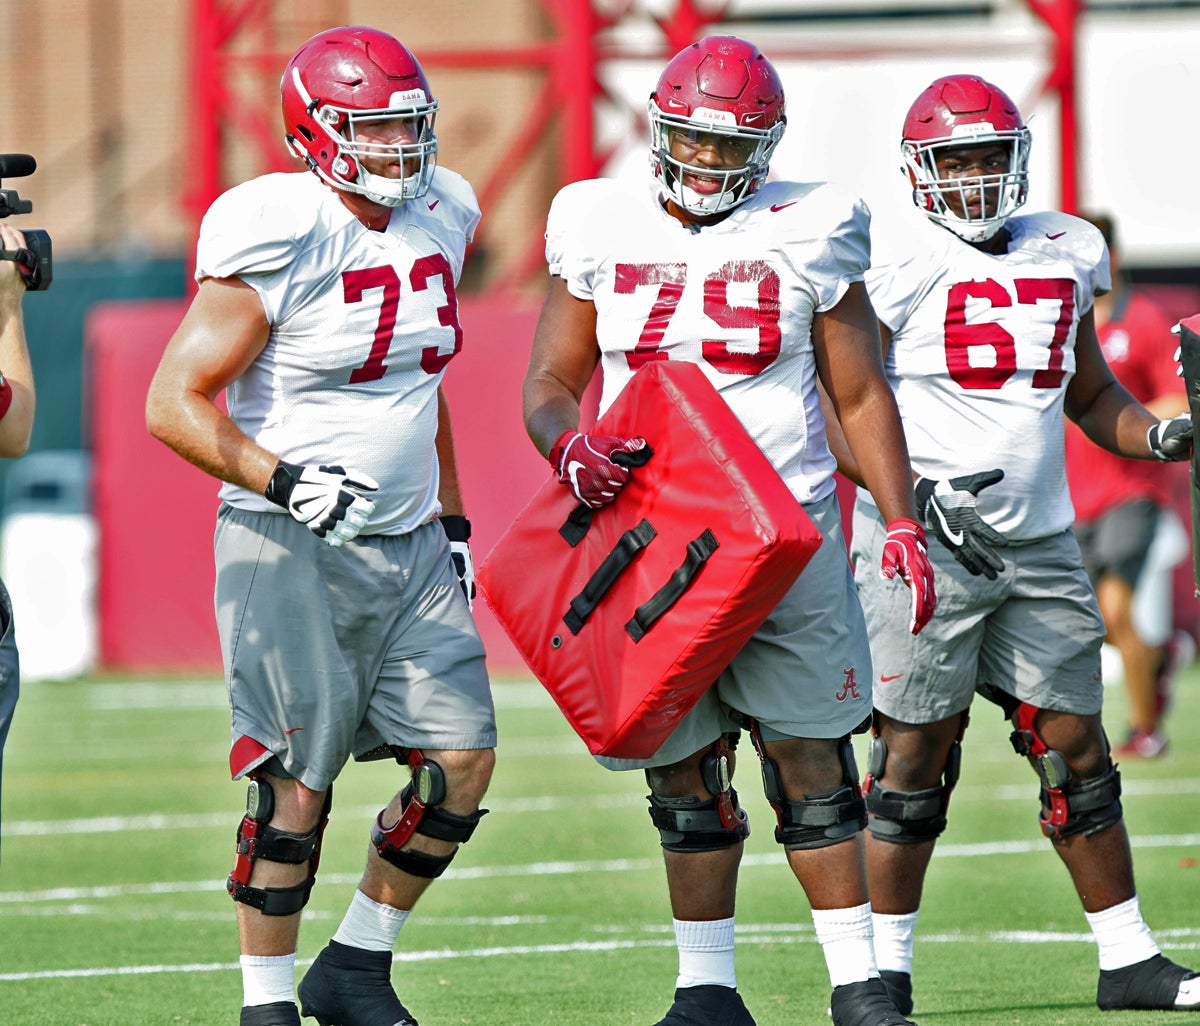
{"points": [[880, 453], [1117, 422], [204, 436], [548, 413]]}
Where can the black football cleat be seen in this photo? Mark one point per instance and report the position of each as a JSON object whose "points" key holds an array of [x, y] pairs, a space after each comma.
{"points": [[277, 1013], [348, 986], [899, 988], [1156, 983], [707, 1005], [866, 1003]]}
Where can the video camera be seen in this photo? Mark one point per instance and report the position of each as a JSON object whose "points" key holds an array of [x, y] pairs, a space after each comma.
{"points": [[34, 261]]}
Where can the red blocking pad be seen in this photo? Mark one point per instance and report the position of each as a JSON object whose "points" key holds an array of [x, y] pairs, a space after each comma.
{"points": [[629, 613]]}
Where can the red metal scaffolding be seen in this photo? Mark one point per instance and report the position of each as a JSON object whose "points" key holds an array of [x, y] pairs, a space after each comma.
{"points": [[231, 38]]}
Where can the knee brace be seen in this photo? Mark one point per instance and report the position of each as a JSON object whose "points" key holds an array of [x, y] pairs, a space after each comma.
{"points": [[1068, 806], [909, 817], [692, 824], [421, 814], [819, 820], [257, 839]]}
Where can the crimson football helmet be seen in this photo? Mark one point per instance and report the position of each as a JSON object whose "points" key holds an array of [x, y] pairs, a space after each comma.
{"points": [[957, 111], [347, 78], [720, 85]]}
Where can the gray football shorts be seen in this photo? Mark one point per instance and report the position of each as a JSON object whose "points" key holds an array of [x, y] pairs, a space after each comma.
{"points": [[1118, 541], [1035, 632], [337, 652], [806, 672]]}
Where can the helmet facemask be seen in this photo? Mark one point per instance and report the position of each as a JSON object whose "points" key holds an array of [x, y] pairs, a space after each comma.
{"points": [[733, 185], [347, 171], [1002, 193]]}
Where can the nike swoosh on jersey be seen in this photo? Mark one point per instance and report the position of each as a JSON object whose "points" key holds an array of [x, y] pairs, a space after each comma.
{"points": [[886, 678], [1059, 235], [776, 207], [434, 203]]}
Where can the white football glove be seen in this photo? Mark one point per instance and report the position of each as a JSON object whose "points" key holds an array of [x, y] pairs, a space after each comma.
{"points": [[458, 530], [332, 502]]}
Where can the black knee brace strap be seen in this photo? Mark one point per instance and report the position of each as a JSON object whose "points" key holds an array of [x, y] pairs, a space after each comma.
{"points": [[906, 817], [909, 817], [257, 839], [819, 820], [692, 824], [1091, 806], [421, 814], [1068, 806]]}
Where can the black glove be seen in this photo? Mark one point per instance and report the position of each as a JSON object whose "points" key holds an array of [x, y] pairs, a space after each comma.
{"points": [[332, 502], [458, 530], [947, 508], [1171, 440]]}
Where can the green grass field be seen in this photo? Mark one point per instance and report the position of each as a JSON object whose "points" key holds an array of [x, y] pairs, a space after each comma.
{"points": [[118, 832]]}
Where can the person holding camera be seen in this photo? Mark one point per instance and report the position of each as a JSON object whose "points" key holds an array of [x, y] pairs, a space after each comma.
{"points": [[16, 425]]}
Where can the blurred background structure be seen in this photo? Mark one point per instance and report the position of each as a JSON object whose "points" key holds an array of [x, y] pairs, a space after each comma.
{"points": [[140, 113]]}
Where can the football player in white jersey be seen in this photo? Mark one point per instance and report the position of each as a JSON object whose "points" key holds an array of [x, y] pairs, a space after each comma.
{"points": [[760, 284], [326, 310], [986, 317]]}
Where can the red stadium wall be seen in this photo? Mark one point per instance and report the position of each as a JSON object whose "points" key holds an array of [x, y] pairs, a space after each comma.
{"points": [[156, 513]]}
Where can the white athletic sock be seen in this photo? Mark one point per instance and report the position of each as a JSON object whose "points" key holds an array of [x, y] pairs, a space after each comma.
{"points": [[370, 925], [705, 952], [845, 937], [268, 978], [1122, 936], [894, 940]]}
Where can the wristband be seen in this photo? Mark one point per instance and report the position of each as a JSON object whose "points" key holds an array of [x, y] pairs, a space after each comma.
{"points": [[556, 450], [6, 396], [456, 526], [279, 488]]}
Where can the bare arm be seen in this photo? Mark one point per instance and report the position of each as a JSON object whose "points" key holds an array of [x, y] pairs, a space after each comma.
{"points": [[865, 433], [564, 358], [1100, 404], [833, 427], [223, 331], [449, 492], [17, 424]]}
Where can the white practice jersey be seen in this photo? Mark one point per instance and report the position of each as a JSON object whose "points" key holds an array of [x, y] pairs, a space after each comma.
{"points": [[983, 348], [363, 324], [737, 298]]}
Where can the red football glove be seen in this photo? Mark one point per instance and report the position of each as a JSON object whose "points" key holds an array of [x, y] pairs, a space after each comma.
{"points": [[584, 463], [904, 553]]}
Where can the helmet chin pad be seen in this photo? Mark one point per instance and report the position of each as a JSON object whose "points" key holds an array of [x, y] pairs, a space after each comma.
{"points": [[736, 186], [389, 192]]}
